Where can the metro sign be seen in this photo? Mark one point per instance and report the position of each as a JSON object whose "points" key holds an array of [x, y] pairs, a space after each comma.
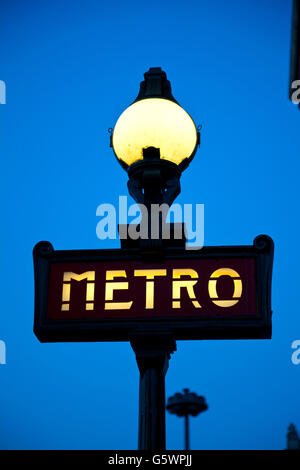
{"points": [[109, 295]]}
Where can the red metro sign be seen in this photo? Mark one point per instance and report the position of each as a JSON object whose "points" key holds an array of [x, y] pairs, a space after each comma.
{"points": [[129, 289], [108, 295]]}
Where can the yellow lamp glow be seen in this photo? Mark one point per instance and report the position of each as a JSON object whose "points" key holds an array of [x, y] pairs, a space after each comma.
{"points": [[154, 122]]}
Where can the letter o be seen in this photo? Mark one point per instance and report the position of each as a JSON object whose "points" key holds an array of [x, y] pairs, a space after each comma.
{"points": [[212, 287]]}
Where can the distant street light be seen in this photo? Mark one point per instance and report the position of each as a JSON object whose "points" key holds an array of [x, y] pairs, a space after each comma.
{"points": [[184, 405]]}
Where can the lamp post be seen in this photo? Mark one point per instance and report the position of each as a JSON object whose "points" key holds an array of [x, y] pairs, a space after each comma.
{"points": [[186, 404], [154, 140]]}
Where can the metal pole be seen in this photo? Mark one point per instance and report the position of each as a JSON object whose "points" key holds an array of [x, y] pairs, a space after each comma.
{"points": [[152, 435], [152, 355], [187, 432]]}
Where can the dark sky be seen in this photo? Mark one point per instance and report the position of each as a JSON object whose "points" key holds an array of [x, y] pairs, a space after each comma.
{"points": [[71, 68]]}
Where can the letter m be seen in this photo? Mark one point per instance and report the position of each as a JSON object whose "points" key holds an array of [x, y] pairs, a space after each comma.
{"points": [[89, 276]]}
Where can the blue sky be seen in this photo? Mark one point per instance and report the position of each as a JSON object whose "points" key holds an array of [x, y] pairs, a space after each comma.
{"points": [[71, 68]]}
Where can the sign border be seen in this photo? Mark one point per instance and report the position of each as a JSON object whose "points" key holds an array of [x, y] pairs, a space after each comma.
{"points": [[258, 327]]}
